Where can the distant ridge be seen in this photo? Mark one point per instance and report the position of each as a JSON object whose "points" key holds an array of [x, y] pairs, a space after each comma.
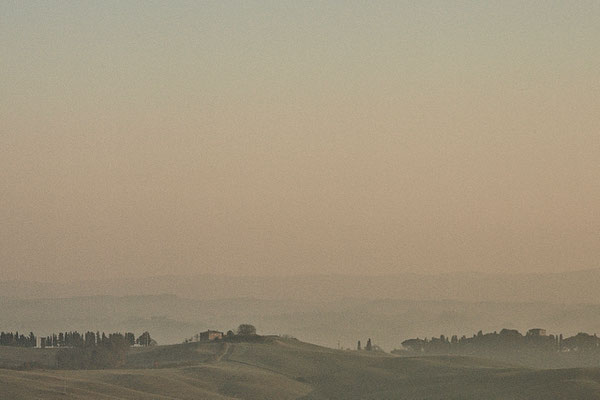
{"points": [[563, 287]]}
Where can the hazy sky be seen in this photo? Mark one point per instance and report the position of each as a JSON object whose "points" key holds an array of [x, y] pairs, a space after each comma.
{"points": [[298, 137]]}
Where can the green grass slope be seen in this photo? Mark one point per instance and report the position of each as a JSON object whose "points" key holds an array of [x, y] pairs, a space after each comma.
{"points": [[289, 369], [16, 357]]}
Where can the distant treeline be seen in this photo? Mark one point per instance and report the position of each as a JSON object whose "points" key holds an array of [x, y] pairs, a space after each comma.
{"points": [[95, 350], [507, 340], [71, 339], [76, 339], [16, 339], [91, 350]]}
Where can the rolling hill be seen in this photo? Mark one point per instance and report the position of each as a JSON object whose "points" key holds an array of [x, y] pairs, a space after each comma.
{"points": [[289, 369]]}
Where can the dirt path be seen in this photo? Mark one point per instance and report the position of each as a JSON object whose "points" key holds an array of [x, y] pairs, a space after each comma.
{"points": [[225, 352]]}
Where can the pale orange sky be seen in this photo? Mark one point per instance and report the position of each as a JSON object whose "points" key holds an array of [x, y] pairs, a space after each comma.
{"points": [[298, 137]]}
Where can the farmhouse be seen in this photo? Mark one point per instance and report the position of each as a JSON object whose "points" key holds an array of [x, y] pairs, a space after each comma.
{"points": [[536, 332], [210, 335]]}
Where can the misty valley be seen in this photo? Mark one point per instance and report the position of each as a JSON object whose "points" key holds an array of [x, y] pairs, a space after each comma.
{"points": [[188, 345]]}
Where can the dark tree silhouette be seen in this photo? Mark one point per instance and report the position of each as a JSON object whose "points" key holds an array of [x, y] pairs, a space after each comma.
{"points": [[144, 339], [130, 337], [246, 330]]}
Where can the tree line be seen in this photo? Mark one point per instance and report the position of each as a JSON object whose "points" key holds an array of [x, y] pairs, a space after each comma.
{"points": [[506, 340], [95, 350], [72, 339], [76, 339], [18, 340]]}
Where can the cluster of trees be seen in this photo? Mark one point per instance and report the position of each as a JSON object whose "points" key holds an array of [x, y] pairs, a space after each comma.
{"points": [[245, 330], [16, 339], [96, 351], [244, 333], [108, 353], [72, 339], [506, 340], [76, 339], [368, 347]]}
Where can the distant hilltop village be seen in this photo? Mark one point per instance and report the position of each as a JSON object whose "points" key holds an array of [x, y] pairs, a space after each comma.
{"points": [[535, 339], [243, 333]]}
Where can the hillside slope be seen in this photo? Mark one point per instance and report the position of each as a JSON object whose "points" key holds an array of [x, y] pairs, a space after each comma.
{"points": [[290, 369]]}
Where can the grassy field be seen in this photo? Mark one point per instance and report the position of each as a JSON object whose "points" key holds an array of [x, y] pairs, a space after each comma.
{"points": [[289, 369]]}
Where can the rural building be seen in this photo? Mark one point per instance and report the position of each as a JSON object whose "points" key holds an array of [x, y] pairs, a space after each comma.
{"points": [[210, 335], [413, 344], [536, 332]]}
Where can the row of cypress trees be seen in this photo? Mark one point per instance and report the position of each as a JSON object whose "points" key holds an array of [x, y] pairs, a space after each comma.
{"points": [[76, 339], [72, 339], [16, 339]]}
